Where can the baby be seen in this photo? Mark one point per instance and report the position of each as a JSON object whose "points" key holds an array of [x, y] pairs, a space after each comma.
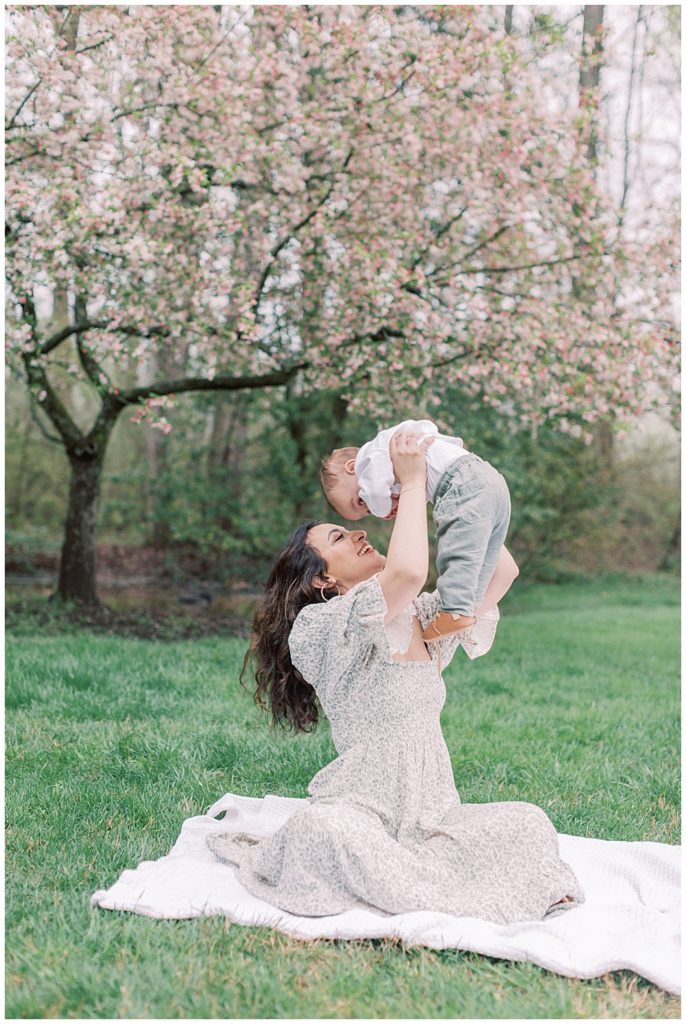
{"points": [[471, 511]]}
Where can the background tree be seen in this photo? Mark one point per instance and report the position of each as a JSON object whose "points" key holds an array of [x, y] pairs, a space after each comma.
{"points": [[231, 195]]}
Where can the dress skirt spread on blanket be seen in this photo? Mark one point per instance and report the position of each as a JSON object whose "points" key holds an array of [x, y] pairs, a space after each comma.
{"points": [[384, 828]]}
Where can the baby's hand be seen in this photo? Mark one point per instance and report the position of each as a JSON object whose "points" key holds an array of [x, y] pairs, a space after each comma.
{"points": [[395, 498]]}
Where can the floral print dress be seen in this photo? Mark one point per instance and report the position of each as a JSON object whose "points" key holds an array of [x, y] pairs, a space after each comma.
{"points": [[384, 828]]}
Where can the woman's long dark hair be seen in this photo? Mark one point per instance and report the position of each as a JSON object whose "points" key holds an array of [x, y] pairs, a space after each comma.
{"points": [[290, 587]]}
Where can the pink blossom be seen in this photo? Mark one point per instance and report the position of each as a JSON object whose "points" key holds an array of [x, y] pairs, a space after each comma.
{"points": [[206, 205]]}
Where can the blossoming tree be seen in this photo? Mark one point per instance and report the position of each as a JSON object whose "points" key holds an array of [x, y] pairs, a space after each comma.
{"points": [[365, 197]]}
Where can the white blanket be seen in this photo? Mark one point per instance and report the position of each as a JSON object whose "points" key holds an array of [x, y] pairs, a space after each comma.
{"points": [[630, 920]]}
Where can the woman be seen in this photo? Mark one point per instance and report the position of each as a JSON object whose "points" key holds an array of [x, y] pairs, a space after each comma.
{"points": [[384, 828]]}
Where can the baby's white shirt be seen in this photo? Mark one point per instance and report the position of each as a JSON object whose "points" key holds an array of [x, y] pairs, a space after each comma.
{"points": [[374, 468]]}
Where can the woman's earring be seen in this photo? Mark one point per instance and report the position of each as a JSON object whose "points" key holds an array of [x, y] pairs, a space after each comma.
{"points": [[323, 588]]}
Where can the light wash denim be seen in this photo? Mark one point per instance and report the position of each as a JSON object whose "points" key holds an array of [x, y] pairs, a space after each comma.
{"points": [[472, 516]]}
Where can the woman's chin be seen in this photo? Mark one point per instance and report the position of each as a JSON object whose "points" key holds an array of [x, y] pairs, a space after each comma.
{"points": [[370, 565], [376, 564]]}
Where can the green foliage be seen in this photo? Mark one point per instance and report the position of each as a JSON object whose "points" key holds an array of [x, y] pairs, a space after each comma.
{"points": [[112, 742], [552, 478], [238, 472], [242, 496], [576, 508], [548, 27]]}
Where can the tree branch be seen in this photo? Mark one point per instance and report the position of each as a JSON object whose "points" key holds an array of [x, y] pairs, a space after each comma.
{"points": [[439, 234], [145, 106], [25, 156], [33, 408], [627, 115], [401, 84], [523, 266], [91, 325], [276, 249], [133, 396], [91, 368], [93, 46], [222, 40], [482, 349], [37, 377], [17, 112], [382, 334], [487, 241], [470, 252]]}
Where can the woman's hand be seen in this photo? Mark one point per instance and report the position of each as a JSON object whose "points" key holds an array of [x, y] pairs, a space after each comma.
{"points": [[408, 455], [407, 561]]}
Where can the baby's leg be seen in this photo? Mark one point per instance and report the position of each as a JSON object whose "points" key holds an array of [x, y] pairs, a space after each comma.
{"points": [[472, 520], [501, 525], [461, 549]]}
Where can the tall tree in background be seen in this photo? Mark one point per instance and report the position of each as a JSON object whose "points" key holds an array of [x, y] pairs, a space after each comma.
{"points": [[357, 198], [589, 105]]}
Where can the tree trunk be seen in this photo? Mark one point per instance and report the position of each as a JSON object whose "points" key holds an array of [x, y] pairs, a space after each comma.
{"points": [[589, 75], [77, 580], [508, 18], [604, 443], [226, 455], [16, 502], [77, 573], [589, 81], [336, 424], [328, 420], [670, 559], [297, 428], [227, 435]]}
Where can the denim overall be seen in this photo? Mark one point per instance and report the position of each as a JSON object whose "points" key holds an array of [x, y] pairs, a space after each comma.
{"points": [[472, 515]]}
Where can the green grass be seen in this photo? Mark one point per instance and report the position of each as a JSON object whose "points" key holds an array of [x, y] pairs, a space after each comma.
{"points": [[112, 742]]}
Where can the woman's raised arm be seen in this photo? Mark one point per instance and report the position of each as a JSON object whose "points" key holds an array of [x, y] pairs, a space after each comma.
{"points": [[407, 561]]}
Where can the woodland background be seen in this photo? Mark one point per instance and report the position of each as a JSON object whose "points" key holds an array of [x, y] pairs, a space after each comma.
{"points": [[162, 227]]}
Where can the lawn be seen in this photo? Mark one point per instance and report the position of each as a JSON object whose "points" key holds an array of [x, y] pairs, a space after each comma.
{"points": [[111, 742]]}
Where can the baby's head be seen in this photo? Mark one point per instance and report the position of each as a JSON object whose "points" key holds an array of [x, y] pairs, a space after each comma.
{"points": [[339, 483]]}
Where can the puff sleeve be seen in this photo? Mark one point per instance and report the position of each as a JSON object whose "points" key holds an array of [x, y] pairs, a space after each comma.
{"points": [[328, 641]]}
